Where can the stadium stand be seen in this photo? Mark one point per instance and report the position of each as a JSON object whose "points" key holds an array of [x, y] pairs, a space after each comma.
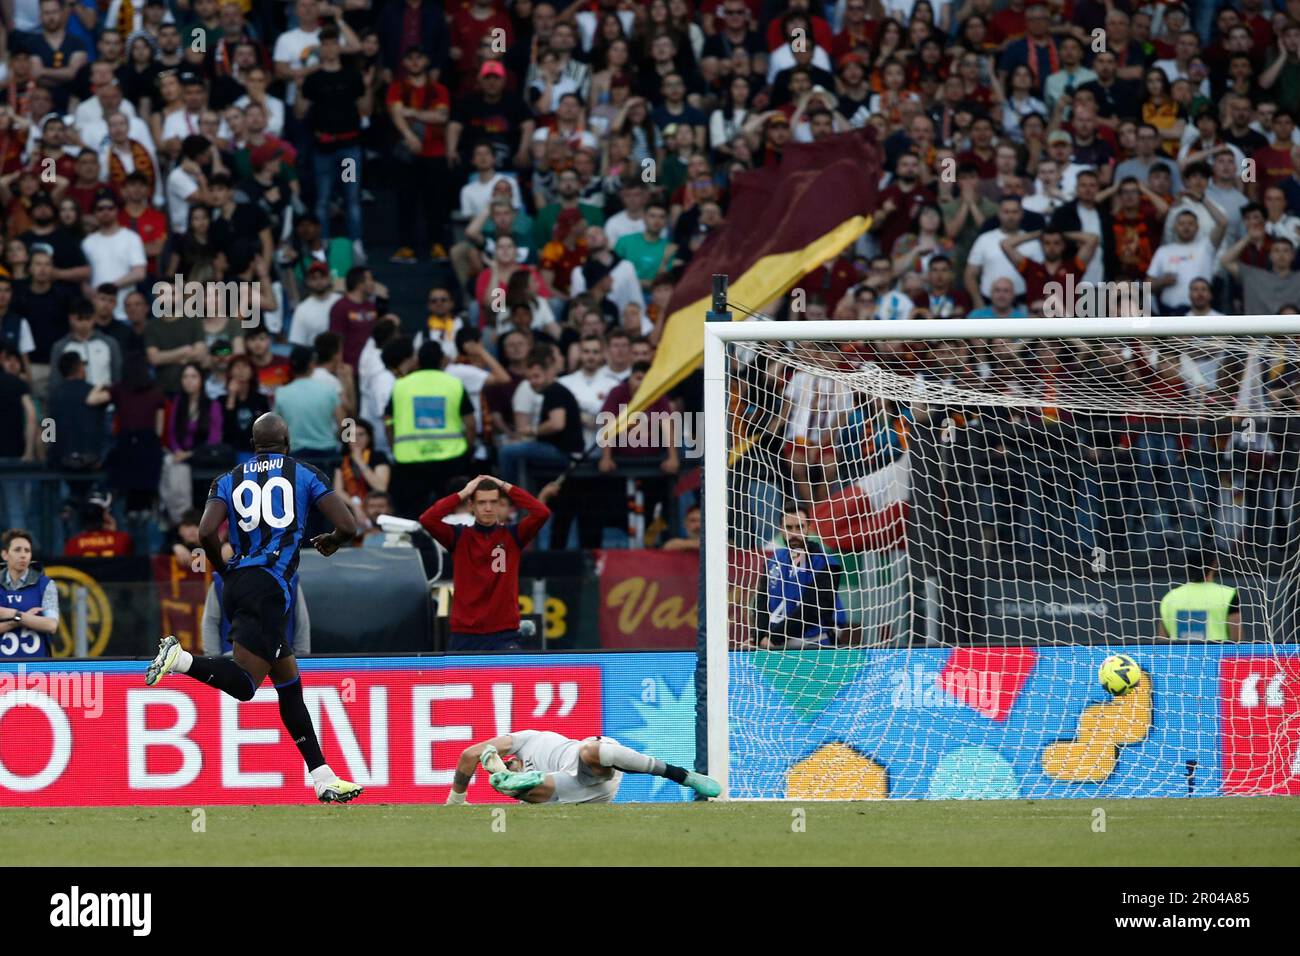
{"points": [[397, 172]]}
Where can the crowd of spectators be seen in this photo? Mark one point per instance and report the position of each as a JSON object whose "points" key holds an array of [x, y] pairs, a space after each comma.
{"points": [[551, 168]]}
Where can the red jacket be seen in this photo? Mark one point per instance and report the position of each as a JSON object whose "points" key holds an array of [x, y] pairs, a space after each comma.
{"points": [[485, 563], [848, 522]]}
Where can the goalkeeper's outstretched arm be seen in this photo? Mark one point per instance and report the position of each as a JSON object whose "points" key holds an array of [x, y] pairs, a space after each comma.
{"points": [[469, 761]]}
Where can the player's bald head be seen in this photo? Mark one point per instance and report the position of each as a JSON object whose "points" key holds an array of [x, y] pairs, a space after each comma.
{"points": [[270, 433]]}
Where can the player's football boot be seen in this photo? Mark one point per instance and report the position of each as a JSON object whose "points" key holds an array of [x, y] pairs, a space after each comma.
{"points": [[704, 786], [338, 791], [168, 650], [516, 784]]}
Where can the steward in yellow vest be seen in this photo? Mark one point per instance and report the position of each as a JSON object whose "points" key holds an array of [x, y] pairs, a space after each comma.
{"points": [[431, 429], [1201, 610], [427, 423]]}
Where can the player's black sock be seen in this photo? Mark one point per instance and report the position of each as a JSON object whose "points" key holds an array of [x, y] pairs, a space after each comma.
{"points": [[293, 713], [675, 774], [225, 675]]}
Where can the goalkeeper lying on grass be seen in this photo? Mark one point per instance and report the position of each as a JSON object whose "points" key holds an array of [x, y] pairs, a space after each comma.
{"points": [[538, 766]]}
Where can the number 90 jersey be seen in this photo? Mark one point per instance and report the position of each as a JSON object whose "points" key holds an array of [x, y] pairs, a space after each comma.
{"points": [[268, 501]]}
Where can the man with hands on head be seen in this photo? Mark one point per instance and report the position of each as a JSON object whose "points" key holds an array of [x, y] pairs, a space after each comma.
{"points": [[485, 561]]}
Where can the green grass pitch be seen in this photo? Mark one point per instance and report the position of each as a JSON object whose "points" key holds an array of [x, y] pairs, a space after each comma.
{"points": [[1205, 832]]}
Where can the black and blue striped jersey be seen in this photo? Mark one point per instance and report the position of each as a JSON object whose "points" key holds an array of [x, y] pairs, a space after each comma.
{"points": [[268, 501]]}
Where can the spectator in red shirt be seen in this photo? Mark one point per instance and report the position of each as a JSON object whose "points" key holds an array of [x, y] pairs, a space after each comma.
{"points": [[858, 30], [901, 202], [485, 561], [86, 185], [1273, 163], [13, 141], [1138, 225], [1055, 267], [833, 280], [469, 25], [1261, 29], [53, 138], [821, 30], [99, 537], [1260, 244], [420, 108], [142, 218], [982, 153], [1009, 23], [354, 315], [272, 370]]}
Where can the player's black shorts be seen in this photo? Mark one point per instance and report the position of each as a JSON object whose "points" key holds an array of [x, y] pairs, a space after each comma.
{"points": [[254, 603]]}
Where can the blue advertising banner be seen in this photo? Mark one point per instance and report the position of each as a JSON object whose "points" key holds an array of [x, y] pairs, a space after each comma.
{"points": [[1022, 722]]}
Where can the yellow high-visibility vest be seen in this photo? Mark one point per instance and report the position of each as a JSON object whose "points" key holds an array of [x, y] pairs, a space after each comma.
{"points": [[427, 424], [1197, 611]]}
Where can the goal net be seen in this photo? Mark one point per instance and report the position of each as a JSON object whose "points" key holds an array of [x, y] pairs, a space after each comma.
{"points": [[925, 545]]}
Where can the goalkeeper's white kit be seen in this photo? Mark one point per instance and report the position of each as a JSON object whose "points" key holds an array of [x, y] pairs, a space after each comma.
{"points": [[557, 756]]}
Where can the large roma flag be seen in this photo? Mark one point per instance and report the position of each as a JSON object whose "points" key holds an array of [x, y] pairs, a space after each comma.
{"points": [[784, 221]]}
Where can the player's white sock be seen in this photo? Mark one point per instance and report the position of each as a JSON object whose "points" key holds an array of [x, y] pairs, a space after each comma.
{"points": [[455, 799], [624, 758], [183, 661], [323, 774]]}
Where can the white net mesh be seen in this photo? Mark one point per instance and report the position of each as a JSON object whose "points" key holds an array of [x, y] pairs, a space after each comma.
{"points": [[935, 545]]}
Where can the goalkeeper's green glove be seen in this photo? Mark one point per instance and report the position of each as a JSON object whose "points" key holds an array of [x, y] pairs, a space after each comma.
{"points": [[491, 760]]}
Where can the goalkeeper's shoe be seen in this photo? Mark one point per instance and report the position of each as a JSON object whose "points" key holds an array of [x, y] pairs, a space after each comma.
{"points": [[338, 791], [704, 786], [516, 784], [168, 650]]}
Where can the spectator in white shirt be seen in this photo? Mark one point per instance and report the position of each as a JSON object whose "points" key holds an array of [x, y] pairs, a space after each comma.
{"points": [[443, 325], [590, 384], [476, 368], [371, 362], [626, 285], [297, 51], [1175, 264], [116, 255], [618, 354], [1187, 47], [631, 220], [186, 184], [312, 315], [897, 303], [1279, 222], [256, 81], [476, 195], [120, 149], [987, 262], [139, 13], [1210, 220], [398, 358], [107, 99], [1048, 195], [331, 369]]}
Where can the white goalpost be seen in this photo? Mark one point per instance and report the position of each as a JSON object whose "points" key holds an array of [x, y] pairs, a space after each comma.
{"points": [[922, 538]]}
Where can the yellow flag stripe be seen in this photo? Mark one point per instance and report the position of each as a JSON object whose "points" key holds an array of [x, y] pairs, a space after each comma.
{"points": [[682, 347]]}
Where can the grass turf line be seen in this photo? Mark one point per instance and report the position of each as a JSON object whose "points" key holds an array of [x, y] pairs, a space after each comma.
{"points": [[1205, 832]]}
